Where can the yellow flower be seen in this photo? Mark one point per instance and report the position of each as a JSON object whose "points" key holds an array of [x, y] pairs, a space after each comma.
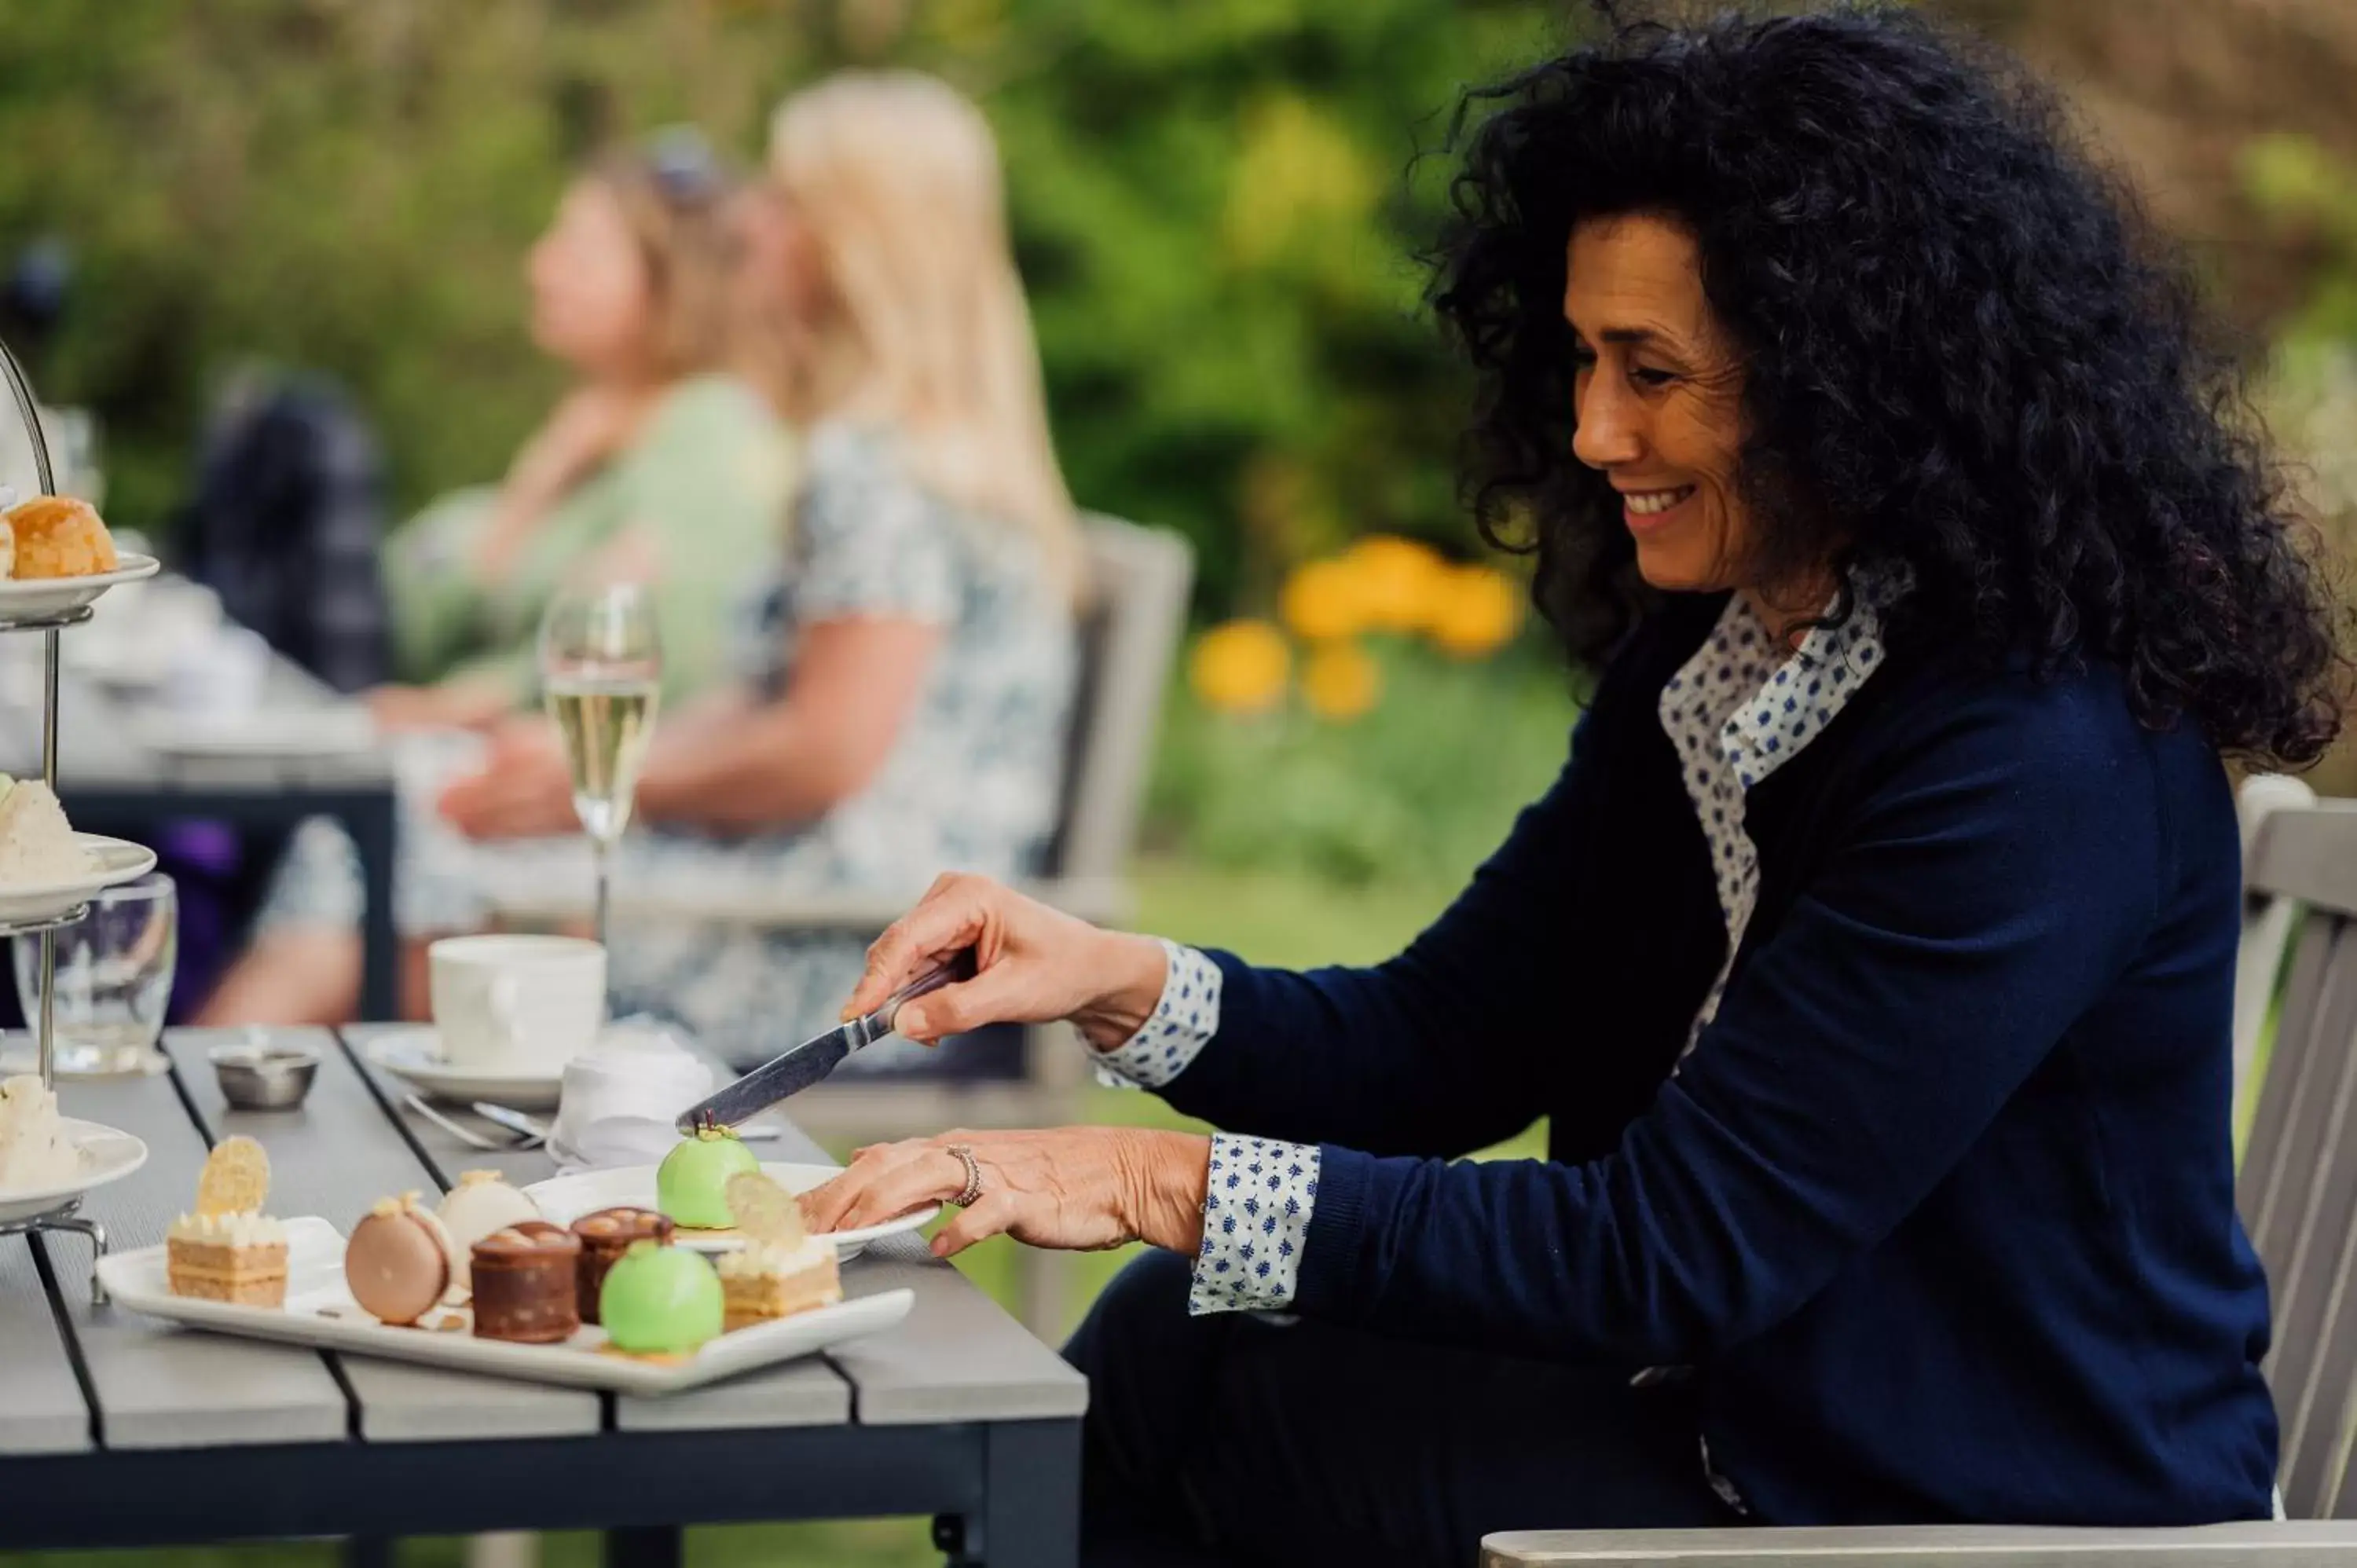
{"points": [[1474, 611], [1324, 601], [1341, 682], [1395, 579], [1240, 667]]}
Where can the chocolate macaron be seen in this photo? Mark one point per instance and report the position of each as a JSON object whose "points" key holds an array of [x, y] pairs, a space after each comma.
{"points": [[524, 1284], [399, 1261], [605, 1237]]}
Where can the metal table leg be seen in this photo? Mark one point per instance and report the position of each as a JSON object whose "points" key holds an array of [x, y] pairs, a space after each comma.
{"points": [[370, 823], [1031, 1515], [651, 1546]]}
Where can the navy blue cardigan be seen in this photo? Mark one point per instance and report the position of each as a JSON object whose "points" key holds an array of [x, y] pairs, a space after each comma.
{"points": [[1940, 1207]]}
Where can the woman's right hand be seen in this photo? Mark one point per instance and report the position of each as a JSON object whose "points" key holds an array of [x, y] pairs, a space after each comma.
{"points": [[1034, 964]]}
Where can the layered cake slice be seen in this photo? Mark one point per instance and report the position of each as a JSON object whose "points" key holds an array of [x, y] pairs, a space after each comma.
{"points": [[228, 1249], [761, 1282], [239, 1258], [783, 1268]]}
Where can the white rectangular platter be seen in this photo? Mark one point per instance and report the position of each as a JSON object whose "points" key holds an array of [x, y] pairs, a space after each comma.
{"points": [[314, 1284]]}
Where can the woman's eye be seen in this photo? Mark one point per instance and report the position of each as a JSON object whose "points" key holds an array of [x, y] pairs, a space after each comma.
{"points": [[1652, 378]]}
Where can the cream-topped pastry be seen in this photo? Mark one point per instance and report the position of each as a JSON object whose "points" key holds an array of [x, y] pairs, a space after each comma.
{"points": [[482, 1203], [38, 846], [228, 1230], [34, 1149]]}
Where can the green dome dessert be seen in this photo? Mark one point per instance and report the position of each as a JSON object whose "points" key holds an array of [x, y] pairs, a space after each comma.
{"points": [[660, 1301], [691, 1183]]}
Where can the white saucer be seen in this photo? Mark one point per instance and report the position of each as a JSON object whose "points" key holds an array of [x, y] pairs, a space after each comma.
{"points": [[107, 1155], [116, 860], [40, 598], [265, 732], [415, 1053], [566, 1198]]}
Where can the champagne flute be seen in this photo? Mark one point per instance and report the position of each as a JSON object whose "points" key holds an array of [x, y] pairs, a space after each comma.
{"points": [[601, 678]]}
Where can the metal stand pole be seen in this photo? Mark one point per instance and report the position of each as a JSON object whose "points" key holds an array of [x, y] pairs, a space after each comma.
{"points": [[63, 1218], [48, 1040]]}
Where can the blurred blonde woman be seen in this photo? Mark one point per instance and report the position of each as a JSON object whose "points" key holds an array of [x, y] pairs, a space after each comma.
{"points": [[659, 464], [909, 664]]}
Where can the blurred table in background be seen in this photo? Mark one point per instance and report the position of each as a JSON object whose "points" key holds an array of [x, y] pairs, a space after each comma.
{"points": [[168, 715]]}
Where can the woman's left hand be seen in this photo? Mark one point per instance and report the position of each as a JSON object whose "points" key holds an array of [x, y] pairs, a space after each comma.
{"points": [[525, 790], [1074, 1188]]}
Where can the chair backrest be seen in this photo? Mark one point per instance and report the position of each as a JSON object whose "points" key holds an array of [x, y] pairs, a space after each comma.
{"points": [[2267, 923], [2297, 1186], [1138, 580]]}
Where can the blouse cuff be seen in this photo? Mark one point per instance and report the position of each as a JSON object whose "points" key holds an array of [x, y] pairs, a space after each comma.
{"points": [[1182, 1024], [1257, 1211]]}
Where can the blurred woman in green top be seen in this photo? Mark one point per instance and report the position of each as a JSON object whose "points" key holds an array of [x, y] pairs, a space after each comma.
{"points": [[659, 464]]}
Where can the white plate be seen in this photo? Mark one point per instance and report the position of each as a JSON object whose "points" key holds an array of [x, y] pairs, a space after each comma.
{"points": [[315, 1281], [107, 1156], [267, 732], [117, 860], [567, 1197], [40, 598], [416, 1054]]}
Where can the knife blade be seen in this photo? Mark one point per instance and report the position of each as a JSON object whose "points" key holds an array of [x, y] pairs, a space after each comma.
{"points": [[798, 1069]]}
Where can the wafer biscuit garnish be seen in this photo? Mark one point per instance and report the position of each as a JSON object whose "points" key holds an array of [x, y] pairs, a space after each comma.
{"points": [[764, 1211], [235, 1180]]}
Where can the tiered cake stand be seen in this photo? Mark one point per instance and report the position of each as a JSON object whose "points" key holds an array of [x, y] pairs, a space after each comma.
{"points": [[48, 607]]}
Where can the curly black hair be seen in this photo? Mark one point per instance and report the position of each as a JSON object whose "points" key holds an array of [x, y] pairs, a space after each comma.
{"points": [[1964, 351]]}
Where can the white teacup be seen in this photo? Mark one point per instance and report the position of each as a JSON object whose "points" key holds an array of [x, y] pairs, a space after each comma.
{"points": [[516, 1003]]}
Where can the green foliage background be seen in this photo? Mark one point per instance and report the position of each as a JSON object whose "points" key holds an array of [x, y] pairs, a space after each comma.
{"points": [[1217, 204], [1212, 201]]}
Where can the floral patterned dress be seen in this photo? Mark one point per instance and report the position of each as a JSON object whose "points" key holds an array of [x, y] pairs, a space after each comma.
{"points": [[971, 784]]}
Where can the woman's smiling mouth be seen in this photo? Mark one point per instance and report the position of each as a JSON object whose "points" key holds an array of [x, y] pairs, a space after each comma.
{"points": [[1646, 507]]}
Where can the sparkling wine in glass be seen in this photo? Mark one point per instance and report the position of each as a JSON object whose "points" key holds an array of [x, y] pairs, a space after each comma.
{"points": [[601, 677]]}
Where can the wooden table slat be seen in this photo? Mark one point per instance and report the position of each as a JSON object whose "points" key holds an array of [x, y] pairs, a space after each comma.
{"points": [[334, 1156], [157, 1386], [958, 1356], [807, 1393], [41, 1406]]}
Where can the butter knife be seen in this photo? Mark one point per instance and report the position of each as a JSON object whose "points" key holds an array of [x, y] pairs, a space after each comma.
{"points": [[812, 1060]]}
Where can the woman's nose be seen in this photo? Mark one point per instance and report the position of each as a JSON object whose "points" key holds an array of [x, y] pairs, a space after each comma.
{"points": [[1606, 434]]}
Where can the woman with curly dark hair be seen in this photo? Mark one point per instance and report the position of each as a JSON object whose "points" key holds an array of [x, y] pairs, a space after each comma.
{"points": [[1872, 959]]}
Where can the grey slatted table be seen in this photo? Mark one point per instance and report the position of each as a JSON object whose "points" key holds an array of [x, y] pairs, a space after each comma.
{"points": [[117, 1429]]}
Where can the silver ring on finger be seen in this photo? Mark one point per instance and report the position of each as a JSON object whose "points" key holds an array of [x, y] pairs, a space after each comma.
{"points": [[972, 1188]]}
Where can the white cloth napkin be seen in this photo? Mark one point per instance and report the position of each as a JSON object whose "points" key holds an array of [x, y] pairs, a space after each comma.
{"points": [[622, 1097]]}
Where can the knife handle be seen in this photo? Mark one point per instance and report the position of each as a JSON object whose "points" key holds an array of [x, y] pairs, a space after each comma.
{"points": [[958, 968]]}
